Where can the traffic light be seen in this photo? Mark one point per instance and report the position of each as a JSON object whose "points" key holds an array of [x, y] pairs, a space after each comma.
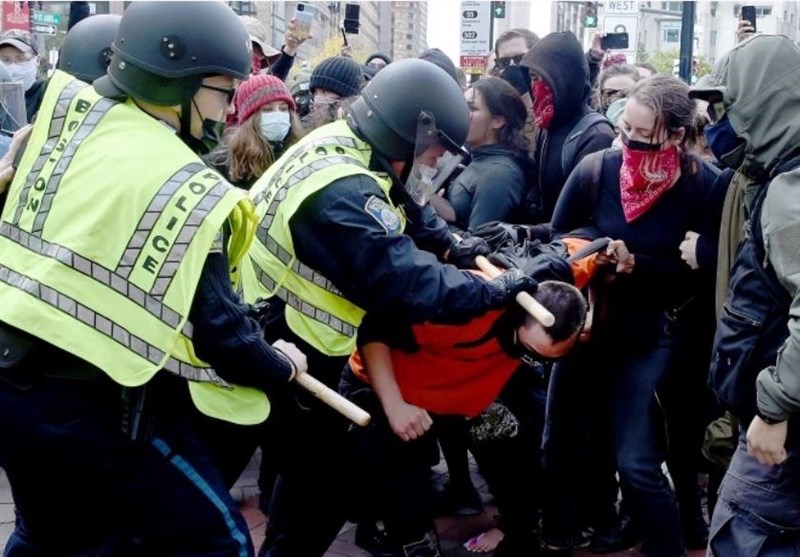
{"points": [[590, 15], [499, 10]]}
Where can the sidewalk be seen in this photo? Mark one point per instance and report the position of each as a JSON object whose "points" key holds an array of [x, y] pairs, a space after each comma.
{"points": [[453, 531]]}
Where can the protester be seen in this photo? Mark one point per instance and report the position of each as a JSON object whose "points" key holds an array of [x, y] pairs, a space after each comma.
{"points": [[754, 370], [20, 55], [664, 193], [267, 126], [492, 186]]}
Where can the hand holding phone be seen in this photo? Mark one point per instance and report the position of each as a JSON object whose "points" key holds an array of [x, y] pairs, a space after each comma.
{"points": [[303, 18], [614, 41], [748, 14]]}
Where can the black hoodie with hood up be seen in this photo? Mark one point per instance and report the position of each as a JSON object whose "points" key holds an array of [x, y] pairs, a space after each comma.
{"points": [[559, 60]]}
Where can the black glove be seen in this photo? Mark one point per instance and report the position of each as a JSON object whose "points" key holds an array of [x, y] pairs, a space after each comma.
{"points": [[518, 77], [462, 254], [505, 287], [498, 233]]}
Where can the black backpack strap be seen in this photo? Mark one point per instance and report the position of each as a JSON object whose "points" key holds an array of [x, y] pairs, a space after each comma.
{"points": [[569, 149], [591, 174]]}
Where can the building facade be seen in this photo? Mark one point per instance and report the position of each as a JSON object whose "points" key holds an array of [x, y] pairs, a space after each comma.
{"points": [[408, 30]]}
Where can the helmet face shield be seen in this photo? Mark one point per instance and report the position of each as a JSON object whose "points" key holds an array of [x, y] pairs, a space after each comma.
{"points": [[429, 147]]}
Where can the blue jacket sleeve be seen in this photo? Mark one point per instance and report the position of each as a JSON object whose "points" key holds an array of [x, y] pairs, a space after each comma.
{"points": [[227, 338], [376, 268]]}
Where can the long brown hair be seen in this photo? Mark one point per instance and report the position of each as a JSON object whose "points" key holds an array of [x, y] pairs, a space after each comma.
{"points": [[668, 97], [248, 154]]}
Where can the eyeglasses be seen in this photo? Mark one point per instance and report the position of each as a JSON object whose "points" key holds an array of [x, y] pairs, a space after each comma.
{"points": [[716, 110], [228, 92], [504, 62]]}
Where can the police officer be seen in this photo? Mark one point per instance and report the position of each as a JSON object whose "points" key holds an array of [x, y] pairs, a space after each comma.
{"points": [[119, 324], [345, 228]]}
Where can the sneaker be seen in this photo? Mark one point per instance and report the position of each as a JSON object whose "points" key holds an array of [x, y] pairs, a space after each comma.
{"points": [[464, 501]]}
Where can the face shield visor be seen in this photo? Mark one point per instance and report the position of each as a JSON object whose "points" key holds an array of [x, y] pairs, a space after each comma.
{"points": [[430, 146]]}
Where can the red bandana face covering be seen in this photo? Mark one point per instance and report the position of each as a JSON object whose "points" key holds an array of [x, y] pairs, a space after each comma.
{"points": [[543, 103], [256, 63], [644, 177]]}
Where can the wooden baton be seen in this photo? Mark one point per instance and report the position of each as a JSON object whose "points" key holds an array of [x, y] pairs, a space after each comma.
{"points": [[528, 303], [333, 399]]}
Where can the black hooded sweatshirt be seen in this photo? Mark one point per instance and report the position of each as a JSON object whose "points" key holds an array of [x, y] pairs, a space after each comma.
{"points": [[559, 60]]}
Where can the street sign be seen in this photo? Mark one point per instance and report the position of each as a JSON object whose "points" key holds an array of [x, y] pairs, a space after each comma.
{"points": [[46, 17], [475, 31], [621, 7], [44, 29]]}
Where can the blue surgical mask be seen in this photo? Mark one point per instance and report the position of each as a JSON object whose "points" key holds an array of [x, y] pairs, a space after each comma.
{"points": [[24, 73], [275, 126], [728, 147]]}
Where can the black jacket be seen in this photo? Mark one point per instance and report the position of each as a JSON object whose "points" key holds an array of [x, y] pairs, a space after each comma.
{"points": [[492, 187], [560, 61]]}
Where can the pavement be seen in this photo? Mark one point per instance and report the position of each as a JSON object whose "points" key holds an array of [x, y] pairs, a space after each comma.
{"points": [[453, 530]]}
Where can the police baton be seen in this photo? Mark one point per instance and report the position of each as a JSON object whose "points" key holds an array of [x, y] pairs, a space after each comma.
{"points": [[333, 399], [528, 303]]}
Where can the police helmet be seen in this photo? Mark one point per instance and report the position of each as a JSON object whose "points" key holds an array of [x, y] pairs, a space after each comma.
{"points": [[163, 50], [86, 51], [388, 109]]}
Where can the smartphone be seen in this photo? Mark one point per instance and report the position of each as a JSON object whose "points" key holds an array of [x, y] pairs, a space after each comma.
{"points": [[614, 41], [303, 17], [749, 14]]}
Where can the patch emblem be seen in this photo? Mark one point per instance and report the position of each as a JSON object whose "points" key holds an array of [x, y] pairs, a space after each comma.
{"points": [[383, 213]]}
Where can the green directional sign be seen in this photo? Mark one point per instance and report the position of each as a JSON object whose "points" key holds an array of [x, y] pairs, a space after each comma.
{"points": [[46, 17]]}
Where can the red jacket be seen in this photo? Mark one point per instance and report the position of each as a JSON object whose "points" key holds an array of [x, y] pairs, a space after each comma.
{"points": [[457, 370]]}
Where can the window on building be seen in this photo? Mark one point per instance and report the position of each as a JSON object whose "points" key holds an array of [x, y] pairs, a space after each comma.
{"points": [[714, 9], [713, 37], [761, 12], [737, 9], [671, 6], [243, 8], [408, 47], [672, 35]]}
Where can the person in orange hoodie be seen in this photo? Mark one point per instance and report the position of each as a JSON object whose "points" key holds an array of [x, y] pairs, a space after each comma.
{"points": [[407, 375]]}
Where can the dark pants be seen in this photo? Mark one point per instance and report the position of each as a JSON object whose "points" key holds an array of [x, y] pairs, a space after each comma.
{"points": [[394, 474], [758, 511], [310, 503], [512, 467], [63, 450], [578, 452]]}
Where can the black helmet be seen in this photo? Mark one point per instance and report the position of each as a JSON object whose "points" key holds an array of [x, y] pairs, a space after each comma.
{"points": [[388, 109], [163, 50], [86, 50]]}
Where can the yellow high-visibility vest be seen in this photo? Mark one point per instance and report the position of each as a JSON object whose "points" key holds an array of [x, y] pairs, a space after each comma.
{"points": [[103, 237], [315, 309]]}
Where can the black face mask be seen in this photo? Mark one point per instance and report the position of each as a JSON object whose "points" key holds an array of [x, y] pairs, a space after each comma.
{"points": [[211, 134], [634, 145]]}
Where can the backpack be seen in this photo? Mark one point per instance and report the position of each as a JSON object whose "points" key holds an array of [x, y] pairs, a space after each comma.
{"points": [[752, 326]]}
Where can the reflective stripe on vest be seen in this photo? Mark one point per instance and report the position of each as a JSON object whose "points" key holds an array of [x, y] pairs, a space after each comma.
{"points": [[108, 270], [316, 310]]}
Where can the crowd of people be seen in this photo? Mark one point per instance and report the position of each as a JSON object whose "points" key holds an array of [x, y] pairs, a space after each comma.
{"points": [[582, 272]]}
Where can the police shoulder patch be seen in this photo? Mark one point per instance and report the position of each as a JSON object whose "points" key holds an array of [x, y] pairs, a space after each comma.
{"points": [[383, 213]]}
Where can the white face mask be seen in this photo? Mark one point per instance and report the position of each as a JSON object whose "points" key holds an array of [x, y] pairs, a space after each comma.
{"points": [[275, 125], [25, 73]]}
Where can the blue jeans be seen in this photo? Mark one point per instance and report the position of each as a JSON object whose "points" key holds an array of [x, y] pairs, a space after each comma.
{"points": [[640, 448], [758, 511]]}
